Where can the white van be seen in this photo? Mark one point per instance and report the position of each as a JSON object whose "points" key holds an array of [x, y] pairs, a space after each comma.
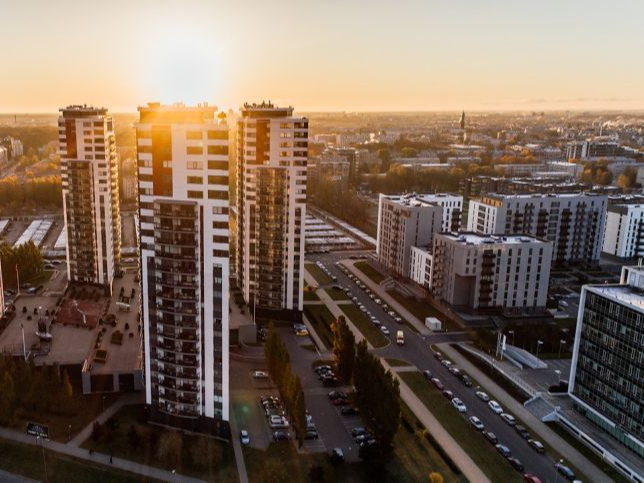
{"points": [[400, 337]]}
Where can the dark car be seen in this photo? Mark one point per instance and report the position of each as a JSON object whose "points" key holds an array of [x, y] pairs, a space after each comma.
{"points": [[330, 381], [516, 463], [466, 380], [363, 438], [427, 374], [537, 446], [438, 356], [333, 395], [320, 369], [448, 394], [504, 450], [349, 411], [565, 471], [281, 436], [491, 437], [358, 431], [311, 435], [522, 431], [436, 382], [341, 401]]}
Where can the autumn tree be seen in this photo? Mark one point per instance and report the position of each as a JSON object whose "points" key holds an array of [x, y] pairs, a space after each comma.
{"points": [[344, 349]]}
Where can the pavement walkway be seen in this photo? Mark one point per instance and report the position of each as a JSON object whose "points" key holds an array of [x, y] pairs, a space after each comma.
{"points": [[393, 303], [7, 477], [239, 453], [546, 434]]}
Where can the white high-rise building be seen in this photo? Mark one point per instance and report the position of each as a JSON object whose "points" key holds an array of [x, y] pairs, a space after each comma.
{"points": [[624, 234], [184, 246], [573, 222], [272, 153], [405, 221], [491, 272], [89, 171]]}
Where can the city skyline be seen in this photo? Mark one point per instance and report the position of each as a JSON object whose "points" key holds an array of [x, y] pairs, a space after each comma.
{"points": [[442, 58]]}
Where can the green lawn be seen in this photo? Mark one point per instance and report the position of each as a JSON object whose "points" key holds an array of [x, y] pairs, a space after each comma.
{"points": [[397, 362], [369, 330], [336, 294], [421, 309], [321, 319], [475, 445], [27, 460], [214, 462], [310, 295], [370, 271], [413, 459], [318, 274]]}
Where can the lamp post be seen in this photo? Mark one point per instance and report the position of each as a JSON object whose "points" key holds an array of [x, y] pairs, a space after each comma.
{"points": [[561, 342], [557, 470], [69, 433], [17, 281], [511, 332], [44, 461], [539, 343]]}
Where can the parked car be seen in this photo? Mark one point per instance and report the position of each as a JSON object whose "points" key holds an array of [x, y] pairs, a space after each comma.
{"points": [[537, 446], [504, 450], [458, 404], [438, 356], [330, 380], [333, 395], [508, 418], [244, 437], [522, 431], [495, 407], [528, 478], [313, 434], [320, 369], [341, 401], [349, 411], [476, 422], [516, 463], [448, 394], [260, 374], [482, 396], [281, 436], [491, 437], [427, 374], [455, 371], [355, 432], [436, 382], [337, 455], [276, 421], [446, 363], [466, 380], [565, 471]]}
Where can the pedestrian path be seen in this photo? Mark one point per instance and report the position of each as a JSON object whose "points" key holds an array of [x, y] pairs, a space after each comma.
{"points": [[545, 433]]}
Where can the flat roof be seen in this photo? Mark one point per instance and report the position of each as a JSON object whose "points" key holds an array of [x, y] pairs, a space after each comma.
{"points": [[543, 195], [469, 238], [624, 294]]}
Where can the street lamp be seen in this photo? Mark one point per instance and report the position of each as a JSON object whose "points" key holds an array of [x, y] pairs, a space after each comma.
{"points": [[557, 470], [69, 433], [44, 461], [539, 343], [561, 342], [511, 332]]}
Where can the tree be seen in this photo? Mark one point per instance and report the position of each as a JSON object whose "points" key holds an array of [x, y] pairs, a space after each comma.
{"points": [[299, 410], [385, 159], [7, 400], [205, 453], [169, 449], [344, 349], [435, 477]]}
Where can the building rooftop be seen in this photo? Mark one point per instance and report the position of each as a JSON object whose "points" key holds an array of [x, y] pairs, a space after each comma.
{"points": [[541, 195], [624, 294], [77, 110], [468, 238], [430, 199]]}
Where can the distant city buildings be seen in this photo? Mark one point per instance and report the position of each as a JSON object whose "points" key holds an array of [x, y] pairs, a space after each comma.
{"points": [[272, 153], [491, 272], [608, 356], [330, 166], [597, 147], [573, 222], [13, 147], [411, 220], [89, 170], [183, 171]]}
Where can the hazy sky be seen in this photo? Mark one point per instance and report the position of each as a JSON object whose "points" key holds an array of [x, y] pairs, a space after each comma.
{"points": [[323, 54]]}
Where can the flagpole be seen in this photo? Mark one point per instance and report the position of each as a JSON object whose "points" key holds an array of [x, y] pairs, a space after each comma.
{"points": [[17, 281]]}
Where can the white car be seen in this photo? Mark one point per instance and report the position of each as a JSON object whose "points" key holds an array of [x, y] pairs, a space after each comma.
{"points": [[508, 418], [376, 322], [244, 437], [363, 308], [260, 375], [458, 404], [384, 330], [378, 301], [277, 421], [495, 407], [482, 396], [476, 422]]}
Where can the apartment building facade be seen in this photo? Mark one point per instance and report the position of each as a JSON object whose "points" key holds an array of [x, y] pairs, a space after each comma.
{"points": [[606, 380], [624, 233], [91, 208], [491, 272], [272, 154], [182, 156], [573, 222], [405, 221]]}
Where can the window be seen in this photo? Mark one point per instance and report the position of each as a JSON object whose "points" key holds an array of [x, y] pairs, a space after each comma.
{"points": [[218, 165], [219, 210], [167, 164], [194, 135], [221, 134], [218, 180], [195, 195], [195, 180], [217, 195], [194, 150], [218, 150], [194, 165]]}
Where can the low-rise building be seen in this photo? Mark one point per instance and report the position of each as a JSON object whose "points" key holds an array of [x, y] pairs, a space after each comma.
{"points": [[508, 273]]}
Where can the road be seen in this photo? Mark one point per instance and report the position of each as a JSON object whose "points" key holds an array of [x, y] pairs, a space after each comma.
{"points": [[417, 351]]}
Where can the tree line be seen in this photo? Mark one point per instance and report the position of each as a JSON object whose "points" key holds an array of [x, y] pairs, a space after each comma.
{"points": [[28, 259], [288, 384], [377, 393], [32, 192], [26, 388]]}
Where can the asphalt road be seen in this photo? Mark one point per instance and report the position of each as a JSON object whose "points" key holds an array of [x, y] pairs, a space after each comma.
{"points": [[417, 351]]}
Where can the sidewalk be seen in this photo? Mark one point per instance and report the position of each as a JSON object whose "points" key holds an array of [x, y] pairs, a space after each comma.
{"points": [[237, 447], [382, 293], [104, 459], [545, 433], [447, 442]]}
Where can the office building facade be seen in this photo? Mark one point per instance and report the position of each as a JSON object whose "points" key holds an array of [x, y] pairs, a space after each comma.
{"points": [[624, 234], [491, 272], [182, 156], [573, 222], [89, 172], [272, 154]]}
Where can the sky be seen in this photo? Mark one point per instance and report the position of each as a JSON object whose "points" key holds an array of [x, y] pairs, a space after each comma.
{"points": [[323, 55]]}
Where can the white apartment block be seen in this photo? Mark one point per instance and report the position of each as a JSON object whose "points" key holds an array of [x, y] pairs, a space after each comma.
{"points": [[272, 154], [624, 234], [89, 171], [420, 270], [182, 156], [573, 222], [491, 272]]}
